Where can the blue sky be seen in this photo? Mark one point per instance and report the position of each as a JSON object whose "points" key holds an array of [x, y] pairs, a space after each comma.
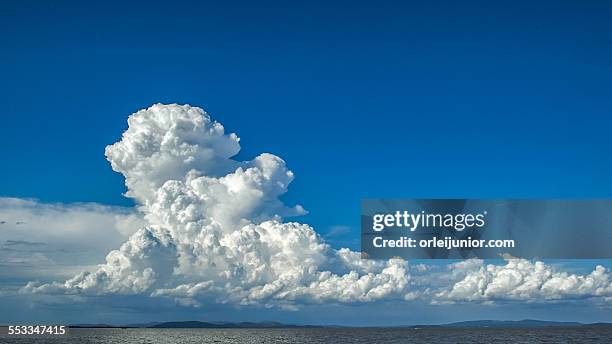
{"points": [[363, 100]]}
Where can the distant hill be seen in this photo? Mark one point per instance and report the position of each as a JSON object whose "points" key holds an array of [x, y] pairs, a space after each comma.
{"points": [[197, 324], [202, 324], [527, 323]]}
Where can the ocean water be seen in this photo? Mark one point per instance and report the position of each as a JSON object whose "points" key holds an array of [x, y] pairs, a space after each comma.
{"points": [[328, 335]]}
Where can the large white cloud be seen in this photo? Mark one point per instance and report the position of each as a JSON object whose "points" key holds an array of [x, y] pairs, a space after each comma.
{"points": [[215, 233], [214, 225]]}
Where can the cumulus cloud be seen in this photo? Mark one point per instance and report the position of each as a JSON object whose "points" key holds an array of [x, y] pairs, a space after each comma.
{"points": [[521, 279], [215, 227], [215, 232]]}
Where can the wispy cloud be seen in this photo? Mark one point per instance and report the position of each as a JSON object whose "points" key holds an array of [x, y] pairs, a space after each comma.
{"points": [[45, 241], [337, 231]]}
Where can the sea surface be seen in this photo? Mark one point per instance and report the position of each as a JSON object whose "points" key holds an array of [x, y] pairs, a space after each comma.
{"points": [[329, 335]]}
